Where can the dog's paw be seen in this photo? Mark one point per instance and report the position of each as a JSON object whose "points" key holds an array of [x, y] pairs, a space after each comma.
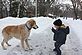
{"points": [[28, 49]]}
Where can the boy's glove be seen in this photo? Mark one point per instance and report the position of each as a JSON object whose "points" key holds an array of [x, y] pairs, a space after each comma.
{"points": [[54, 39], [52, 28]]}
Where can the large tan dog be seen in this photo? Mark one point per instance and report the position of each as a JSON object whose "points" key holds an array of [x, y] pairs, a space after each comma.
{"points": [[21, 32]]}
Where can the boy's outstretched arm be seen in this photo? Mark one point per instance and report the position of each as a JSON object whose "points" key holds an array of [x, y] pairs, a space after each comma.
{"points": [[67, 30], [53, 30]]}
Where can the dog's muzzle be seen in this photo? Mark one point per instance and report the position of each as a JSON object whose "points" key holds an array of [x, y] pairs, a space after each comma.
{"points": [[36, 27]]}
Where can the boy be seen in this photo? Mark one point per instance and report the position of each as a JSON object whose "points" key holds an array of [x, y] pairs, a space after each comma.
{"points": [[60, 34]]}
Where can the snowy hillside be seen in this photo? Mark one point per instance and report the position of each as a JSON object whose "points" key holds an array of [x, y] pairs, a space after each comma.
{"points": [[41, 39]]}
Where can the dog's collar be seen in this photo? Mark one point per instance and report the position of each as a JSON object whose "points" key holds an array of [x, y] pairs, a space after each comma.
{"points": [[27, 27]]}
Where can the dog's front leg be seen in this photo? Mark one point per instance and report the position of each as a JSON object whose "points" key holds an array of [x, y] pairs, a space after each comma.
{"points": [[27, 44], [22, 43]]}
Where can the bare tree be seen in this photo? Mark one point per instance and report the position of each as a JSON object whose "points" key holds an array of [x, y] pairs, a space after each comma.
{"points": [[80, 8], [76, 5], [44, 6], [1, 6], [74, 2]]}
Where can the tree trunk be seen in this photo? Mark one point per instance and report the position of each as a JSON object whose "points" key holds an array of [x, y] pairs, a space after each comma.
{"points": [[74, 7], [10, 8], [1, 5], [18, 11], [75, 13]]}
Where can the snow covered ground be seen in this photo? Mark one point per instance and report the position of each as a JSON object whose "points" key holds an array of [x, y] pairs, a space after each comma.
{"points": [[42, 38]]}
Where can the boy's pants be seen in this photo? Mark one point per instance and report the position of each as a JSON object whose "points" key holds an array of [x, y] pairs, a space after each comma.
{"points": [[57, 48]]}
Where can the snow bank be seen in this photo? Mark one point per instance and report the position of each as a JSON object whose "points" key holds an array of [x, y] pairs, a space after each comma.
{"points": [[42, 38]]}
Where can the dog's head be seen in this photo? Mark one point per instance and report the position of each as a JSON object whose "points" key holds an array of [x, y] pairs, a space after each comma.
{"points": [[32, 24]]}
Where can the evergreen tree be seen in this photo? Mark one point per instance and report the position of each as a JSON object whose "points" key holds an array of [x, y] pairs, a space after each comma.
{"points": [[14, 8], [17, 9], [22, 10]]}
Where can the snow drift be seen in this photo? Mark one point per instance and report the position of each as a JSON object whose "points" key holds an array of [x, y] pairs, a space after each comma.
{"points": [[41, 39]]}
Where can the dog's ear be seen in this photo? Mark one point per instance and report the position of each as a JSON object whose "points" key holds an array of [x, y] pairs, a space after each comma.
{"points": [[29, 25], [31, 22]]}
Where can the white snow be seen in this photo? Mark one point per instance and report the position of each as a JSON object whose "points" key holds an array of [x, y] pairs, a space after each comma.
{"points": [[42, 38]]}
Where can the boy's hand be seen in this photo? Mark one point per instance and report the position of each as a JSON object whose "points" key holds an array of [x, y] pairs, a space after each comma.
{"points": [[52, 28], [67, 26]]}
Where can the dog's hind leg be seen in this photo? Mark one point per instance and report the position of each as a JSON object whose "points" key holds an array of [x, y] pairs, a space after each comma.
{"points": [[5, 40], [8, 40], [8, 44], [3, 44]]}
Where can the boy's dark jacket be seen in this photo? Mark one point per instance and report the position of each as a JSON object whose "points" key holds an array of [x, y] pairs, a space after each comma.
{"points": [[60, 34]]}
